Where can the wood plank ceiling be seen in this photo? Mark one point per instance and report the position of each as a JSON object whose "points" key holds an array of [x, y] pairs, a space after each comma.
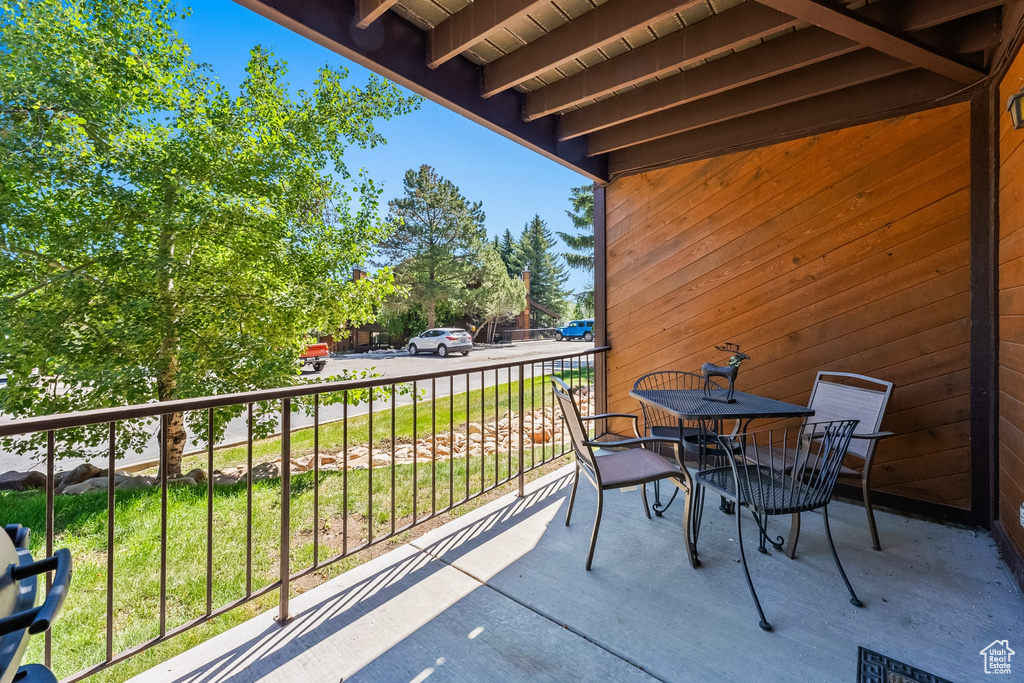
{"points": [[613, 87]]}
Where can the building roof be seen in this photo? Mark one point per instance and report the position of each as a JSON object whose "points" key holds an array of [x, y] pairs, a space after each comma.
{"points": [[612, 87]]}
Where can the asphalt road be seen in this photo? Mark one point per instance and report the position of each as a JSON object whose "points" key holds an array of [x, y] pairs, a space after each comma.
{"points": [[384, 364]]}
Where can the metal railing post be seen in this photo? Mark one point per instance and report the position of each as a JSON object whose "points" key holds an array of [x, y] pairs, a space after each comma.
{"points": [[522, 417], [286, 495]]}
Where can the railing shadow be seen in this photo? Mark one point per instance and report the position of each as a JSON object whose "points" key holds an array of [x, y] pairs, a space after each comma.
{"points": [[275, 646]]}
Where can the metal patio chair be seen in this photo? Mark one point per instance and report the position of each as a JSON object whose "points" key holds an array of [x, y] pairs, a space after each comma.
{"points": [[635, 466], [846, 396], [658, 423], [751, 480]]}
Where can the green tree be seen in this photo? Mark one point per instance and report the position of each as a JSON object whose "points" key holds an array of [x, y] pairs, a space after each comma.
{"points": [[499, 295], [435, 246], [506, 246], [581, 244], [162, 238], [534, 250]]}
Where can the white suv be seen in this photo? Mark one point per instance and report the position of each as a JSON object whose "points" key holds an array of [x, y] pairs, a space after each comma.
{"points": [[442, 341]]}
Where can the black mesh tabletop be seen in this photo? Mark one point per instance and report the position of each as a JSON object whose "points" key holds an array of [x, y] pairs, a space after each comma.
{"points": [[691, 405]]}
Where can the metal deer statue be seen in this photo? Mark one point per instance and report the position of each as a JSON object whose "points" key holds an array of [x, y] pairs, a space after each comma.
{"points": [[727, 372]]}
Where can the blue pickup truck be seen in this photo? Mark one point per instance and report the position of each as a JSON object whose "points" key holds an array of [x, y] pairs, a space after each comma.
{"points": [[577, 329]]}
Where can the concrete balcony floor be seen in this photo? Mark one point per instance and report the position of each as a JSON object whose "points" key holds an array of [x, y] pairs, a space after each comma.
{"points": [[501, 594]]}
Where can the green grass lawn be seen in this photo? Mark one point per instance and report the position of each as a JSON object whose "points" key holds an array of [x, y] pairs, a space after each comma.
{"points": [[79, 635]]}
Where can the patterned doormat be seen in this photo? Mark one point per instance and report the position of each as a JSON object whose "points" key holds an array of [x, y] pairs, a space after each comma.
{"points": [[875, 668]]}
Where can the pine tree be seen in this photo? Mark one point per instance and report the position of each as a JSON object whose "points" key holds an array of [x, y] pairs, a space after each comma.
{"points": [[582, 243], [506, 247], [437, 241], [547, 274]]}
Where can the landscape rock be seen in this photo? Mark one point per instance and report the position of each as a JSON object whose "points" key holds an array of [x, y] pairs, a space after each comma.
{"points": [[83, 472], [303, 464], [221, 479], [266, 470], [19, 481], [87, 486], [197, 474], [181, 481], [129, 483]]}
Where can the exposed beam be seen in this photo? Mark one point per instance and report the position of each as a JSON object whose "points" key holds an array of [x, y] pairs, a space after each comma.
{"points": [[474, 23], [910, 15], [394, 48], [807, 46], [975, 33], [599, 26], [800, 49], [869, 33], [738, 26], [370, 10], [1013, 15], [861, 103], [835, 74]]}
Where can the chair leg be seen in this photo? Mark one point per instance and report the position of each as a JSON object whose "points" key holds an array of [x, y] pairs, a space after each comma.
{"points": [[691, 550], [597, 526], [828, 532], [794, 535], [750, 584], [572, 496], [643, 495], [867, 506]]}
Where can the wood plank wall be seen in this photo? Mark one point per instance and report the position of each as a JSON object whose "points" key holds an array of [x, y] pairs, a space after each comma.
{"points": [[1011, 312], [847, 251]]}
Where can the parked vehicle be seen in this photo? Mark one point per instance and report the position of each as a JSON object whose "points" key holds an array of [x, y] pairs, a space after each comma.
{"points": [[442, 341], [316, 355], [577, 329]]}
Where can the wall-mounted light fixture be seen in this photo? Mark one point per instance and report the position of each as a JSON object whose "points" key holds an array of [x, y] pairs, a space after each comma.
{"points": [[1013, 105]]}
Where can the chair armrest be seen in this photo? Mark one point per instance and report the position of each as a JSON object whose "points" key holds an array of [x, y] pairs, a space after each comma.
{"points": [[602, 415], [874, 435], [629, 442], [631, 416]]}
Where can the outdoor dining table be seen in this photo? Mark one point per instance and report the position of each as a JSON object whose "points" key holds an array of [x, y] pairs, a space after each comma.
{"points": [[694, 405]]}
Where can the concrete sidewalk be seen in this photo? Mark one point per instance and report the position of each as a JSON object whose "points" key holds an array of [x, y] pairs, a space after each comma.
{"points": [[501, 594]]}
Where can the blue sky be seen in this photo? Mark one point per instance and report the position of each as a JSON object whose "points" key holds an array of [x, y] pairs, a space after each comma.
{"points": [[512, 182]]}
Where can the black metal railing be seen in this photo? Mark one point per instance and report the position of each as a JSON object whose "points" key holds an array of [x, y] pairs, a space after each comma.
{"points": [[508, 428]]}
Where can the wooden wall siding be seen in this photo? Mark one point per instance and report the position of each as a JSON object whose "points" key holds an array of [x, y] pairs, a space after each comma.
{"points": [[846, 251], [1011, 313]]}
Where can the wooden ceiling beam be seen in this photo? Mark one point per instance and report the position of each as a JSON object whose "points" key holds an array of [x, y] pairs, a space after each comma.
{"points": [[800, 49], [600, 26], [474, 23], [861, 103], [688, 46], [871, 34], [370, 10], [911, 15], [394, 48], [835, 74], [975, 33]]}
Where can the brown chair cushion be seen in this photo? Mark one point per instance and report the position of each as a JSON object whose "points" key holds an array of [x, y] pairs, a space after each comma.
{"points": [[632, 467]]}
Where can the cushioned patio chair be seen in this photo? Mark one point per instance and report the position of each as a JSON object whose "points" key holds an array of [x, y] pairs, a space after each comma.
{"points": [[658, 423], [752, 481], [846, 396], [634, 466]]}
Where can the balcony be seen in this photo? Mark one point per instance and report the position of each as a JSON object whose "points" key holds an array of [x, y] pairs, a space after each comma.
{"points": [[501, 594]]}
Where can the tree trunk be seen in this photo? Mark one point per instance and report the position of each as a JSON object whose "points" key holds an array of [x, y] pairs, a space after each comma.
{"points": [[167, 355], [166, 388], [431, 315]]}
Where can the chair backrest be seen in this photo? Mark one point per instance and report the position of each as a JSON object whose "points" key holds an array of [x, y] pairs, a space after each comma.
{"points": [[816, 450], [671, 380], [845, 396], [577, 431]]}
